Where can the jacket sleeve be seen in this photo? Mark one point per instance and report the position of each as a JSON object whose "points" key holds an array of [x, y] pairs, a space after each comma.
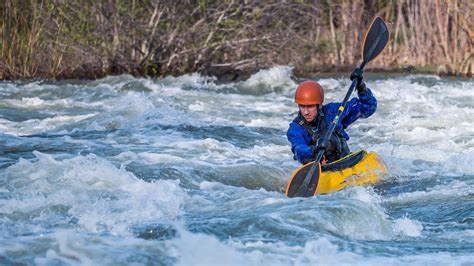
{"points": [[301, 150], [363, 106]]}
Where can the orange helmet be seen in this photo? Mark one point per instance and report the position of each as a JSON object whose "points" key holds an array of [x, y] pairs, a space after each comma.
{"points": [[309, 92]]}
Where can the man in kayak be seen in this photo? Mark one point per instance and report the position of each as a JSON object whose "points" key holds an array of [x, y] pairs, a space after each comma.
{"points": [[306, 132]]}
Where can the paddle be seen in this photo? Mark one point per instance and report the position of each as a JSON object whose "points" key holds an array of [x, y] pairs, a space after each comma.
{"points": [[375, 40]]}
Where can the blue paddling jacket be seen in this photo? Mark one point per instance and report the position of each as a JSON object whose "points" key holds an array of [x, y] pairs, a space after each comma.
{"points": [[303, 135]]}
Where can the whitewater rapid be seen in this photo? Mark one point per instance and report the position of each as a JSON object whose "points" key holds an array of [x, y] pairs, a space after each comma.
{"points": [[189, 170]]}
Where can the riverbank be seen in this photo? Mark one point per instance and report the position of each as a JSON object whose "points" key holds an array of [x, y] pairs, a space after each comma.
{"points": [[228, 74], [88, 40], [232, 74]]}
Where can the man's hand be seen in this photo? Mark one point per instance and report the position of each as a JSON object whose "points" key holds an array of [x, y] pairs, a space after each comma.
{"points": [[321, 144], [360, 85]]}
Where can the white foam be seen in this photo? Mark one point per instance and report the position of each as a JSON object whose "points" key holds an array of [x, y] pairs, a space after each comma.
{"points": [[206, 185], [197, 248], [212, 151], [173, 86], [100, 196], [199, 106], [460, 163], [360, 215], [468, 233], [322, 250], [153, 158], [268, 122], [453, 189], [275, 79], [34, 126], [193, 79], [122, 112], [27, 102], [71, 247], [332, 85], [187, 248], [126, 156], [414, 123], [405, 226]]}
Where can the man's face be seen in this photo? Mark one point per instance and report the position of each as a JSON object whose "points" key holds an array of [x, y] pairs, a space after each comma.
{"points": [[309, 112]]}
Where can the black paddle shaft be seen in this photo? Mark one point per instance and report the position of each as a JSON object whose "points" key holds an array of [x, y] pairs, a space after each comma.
{"points": [[375, 40]]}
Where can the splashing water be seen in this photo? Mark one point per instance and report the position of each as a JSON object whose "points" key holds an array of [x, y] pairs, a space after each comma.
{"points": [[186, 170]]}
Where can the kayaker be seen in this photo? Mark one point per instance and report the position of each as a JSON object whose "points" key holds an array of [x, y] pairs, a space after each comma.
{"points": [[306, 132]]}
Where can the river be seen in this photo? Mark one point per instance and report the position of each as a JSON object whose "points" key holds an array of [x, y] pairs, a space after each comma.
{"points": [[190, 171]]}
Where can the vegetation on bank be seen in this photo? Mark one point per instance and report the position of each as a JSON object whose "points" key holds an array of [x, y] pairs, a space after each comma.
{"points": [[230, 39]]}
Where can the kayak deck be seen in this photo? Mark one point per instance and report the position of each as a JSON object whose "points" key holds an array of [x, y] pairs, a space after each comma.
{"points": [[356, 169]]}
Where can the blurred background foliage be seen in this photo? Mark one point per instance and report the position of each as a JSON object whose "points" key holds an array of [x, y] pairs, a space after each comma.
{"points": [[230, 39]]}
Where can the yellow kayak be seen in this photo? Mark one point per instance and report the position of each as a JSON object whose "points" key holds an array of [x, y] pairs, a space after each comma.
{"points": [[356, 169]]}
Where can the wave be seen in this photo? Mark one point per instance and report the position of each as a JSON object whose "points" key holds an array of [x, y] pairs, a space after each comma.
{"points": [[87, 191]]}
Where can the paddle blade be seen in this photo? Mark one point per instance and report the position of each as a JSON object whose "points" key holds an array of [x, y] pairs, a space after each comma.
{"points": [[297, 179], [375, 39]]}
